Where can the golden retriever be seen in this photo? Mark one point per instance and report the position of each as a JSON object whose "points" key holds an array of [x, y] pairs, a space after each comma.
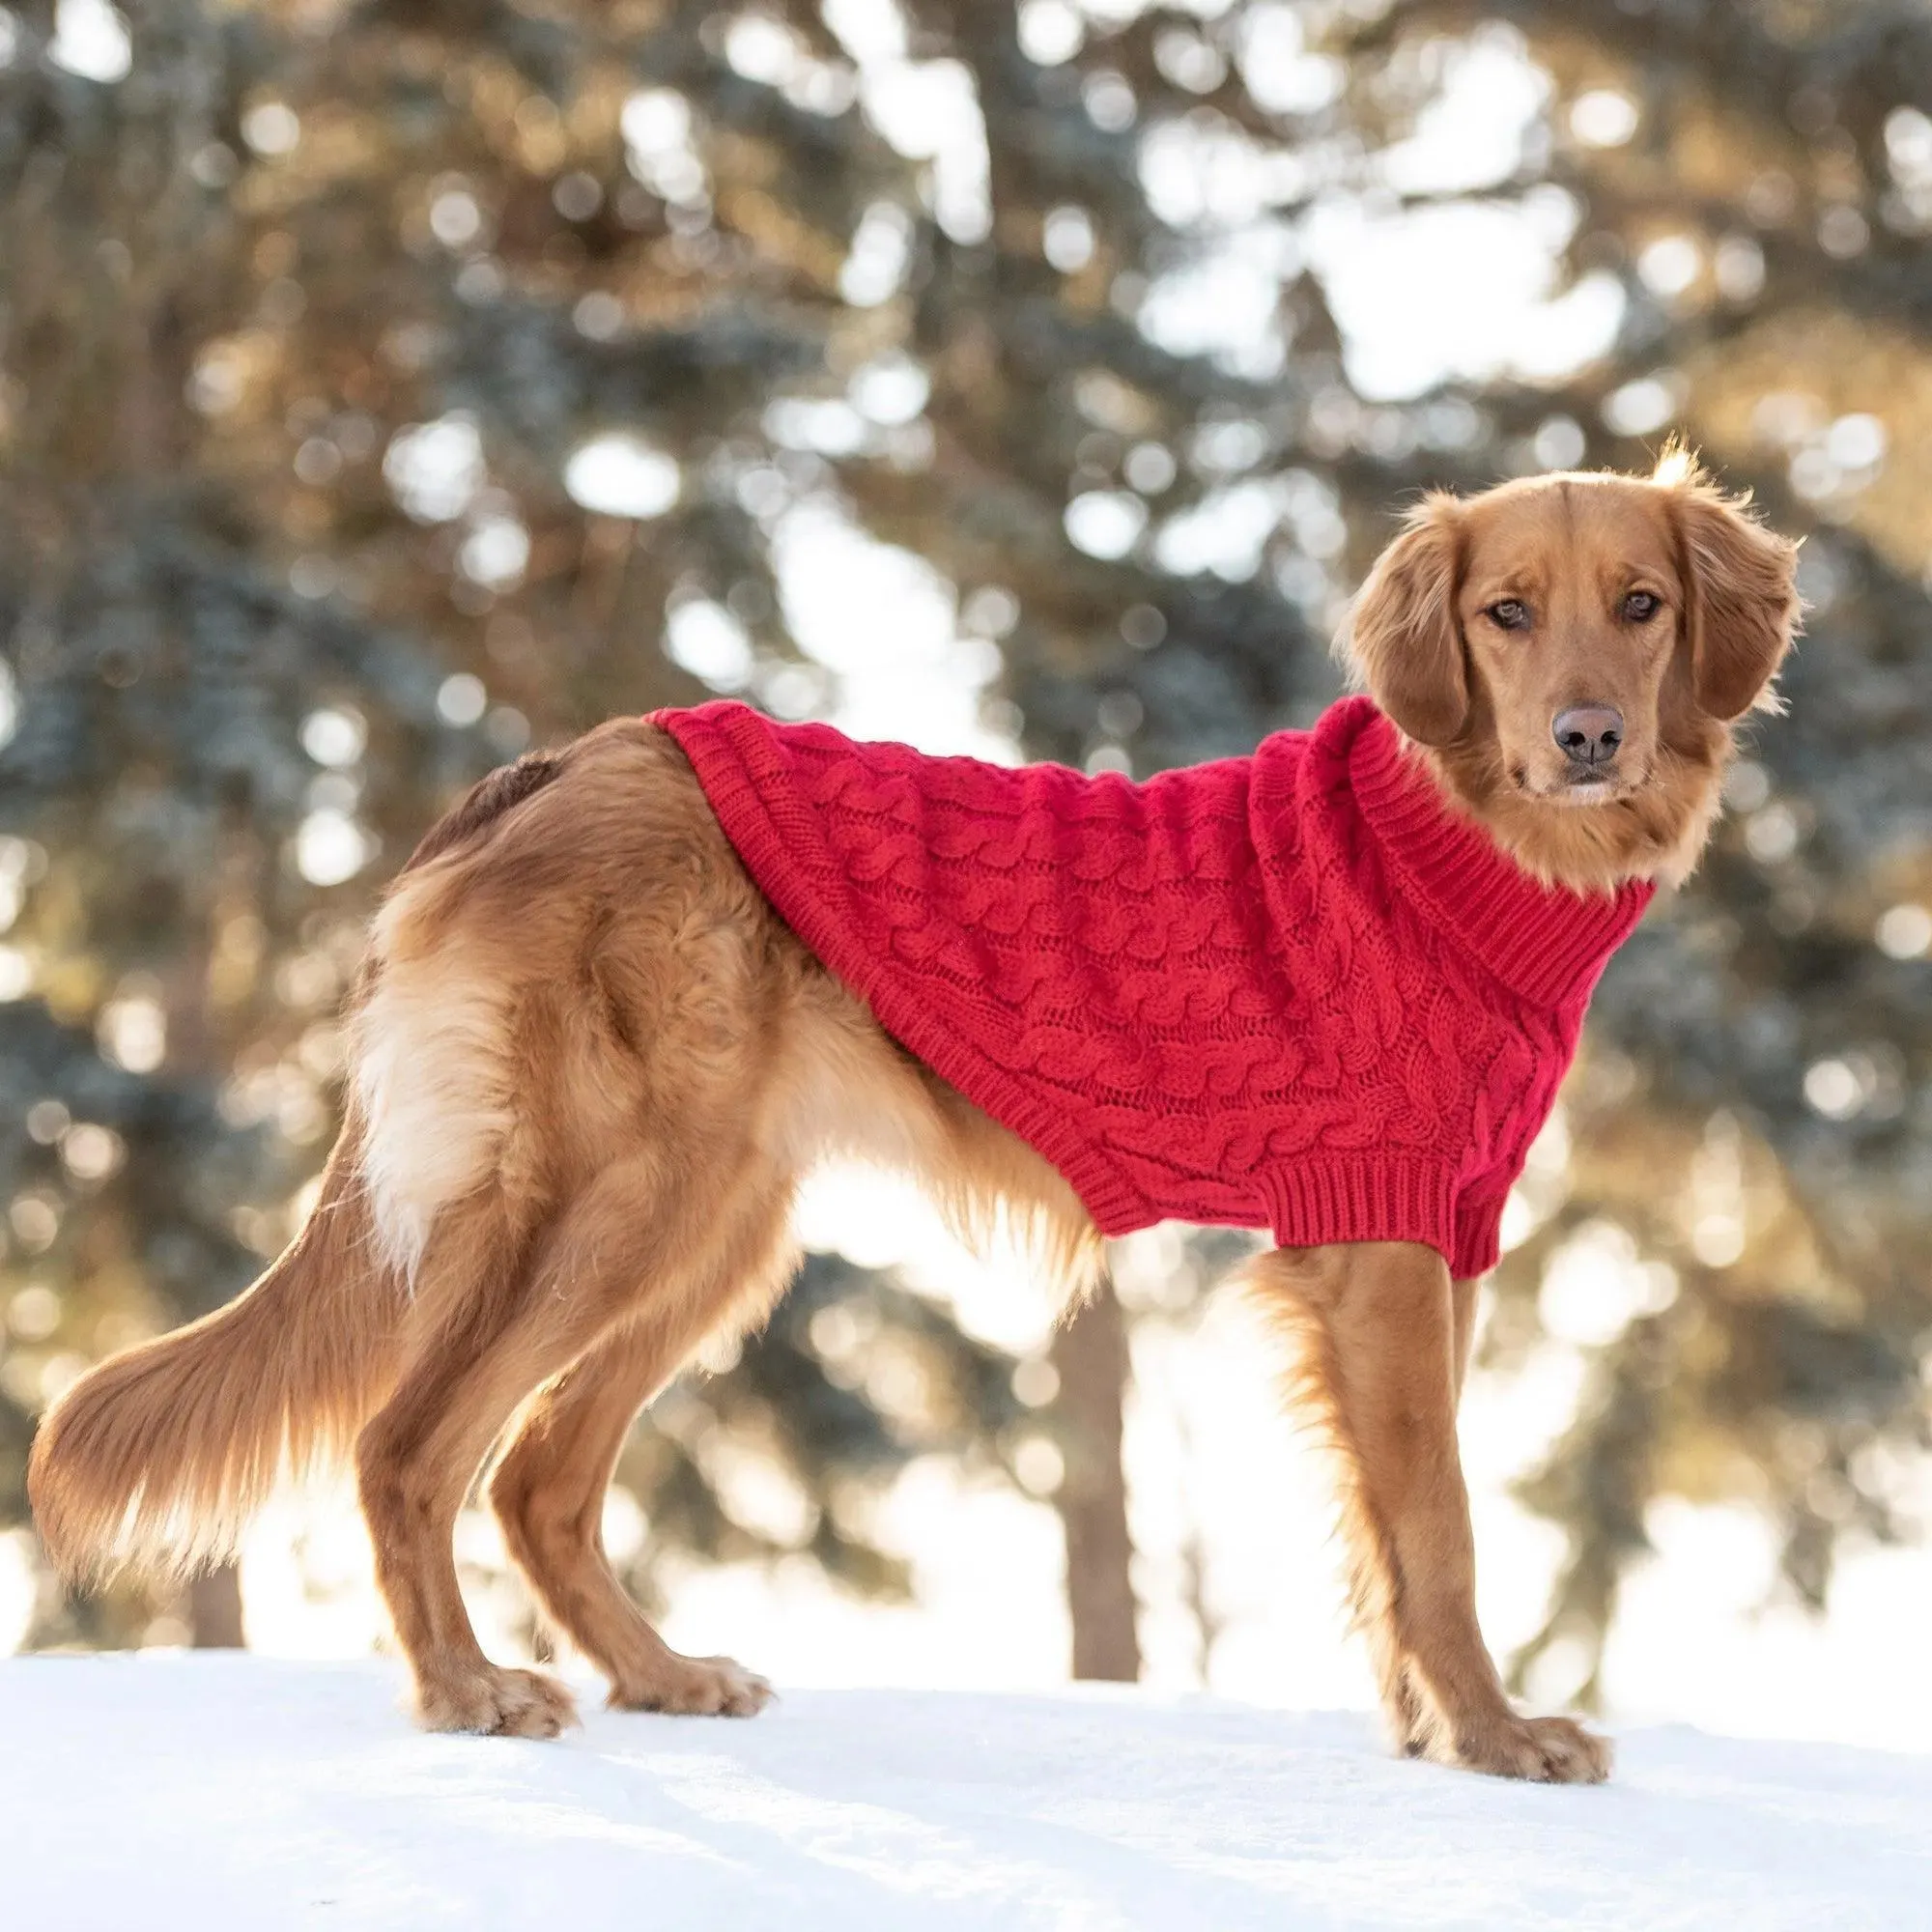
{"points": [[591, 1066]]}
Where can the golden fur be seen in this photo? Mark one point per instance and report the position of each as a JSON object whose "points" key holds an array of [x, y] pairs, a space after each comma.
{"points": [[591, 1066]]}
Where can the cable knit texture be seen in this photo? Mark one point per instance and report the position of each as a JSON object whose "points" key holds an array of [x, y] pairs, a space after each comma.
{"points": [[1291, 991]]}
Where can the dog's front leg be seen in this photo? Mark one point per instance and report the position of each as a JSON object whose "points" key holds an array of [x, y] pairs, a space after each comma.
{"points": [[1383, 1336]]}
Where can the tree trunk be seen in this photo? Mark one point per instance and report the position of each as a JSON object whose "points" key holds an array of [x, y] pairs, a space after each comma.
{"points": [[1090, 1355], [214, 1609], [212, 1604]]}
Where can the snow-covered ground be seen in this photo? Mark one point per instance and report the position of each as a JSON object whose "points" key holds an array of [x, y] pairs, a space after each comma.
{"points": [[231, 1793]]}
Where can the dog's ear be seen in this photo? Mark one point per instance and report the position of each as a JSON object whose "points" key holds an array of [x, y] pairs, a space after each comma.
{"points": [[1403, 637], [1740, 591]]}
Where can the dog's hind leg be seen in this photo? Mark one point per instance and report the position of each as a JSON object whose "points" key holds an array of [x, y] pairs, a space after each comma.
{"points": [[503, 1317], [548, 1489]]}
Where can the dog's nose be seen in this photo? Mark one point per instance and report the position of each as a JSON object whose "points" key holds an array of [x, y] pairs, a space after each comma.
{"points": [[1589, 733]]}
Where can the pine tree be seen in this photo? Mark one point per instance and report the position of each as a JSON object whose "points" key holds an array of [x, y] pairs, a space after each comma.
{"points": [[289, 560]]}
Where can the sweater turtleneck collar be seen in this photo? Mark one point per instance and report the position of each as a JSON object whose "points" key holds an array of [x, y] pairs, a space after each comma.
{"points": [[1544, 942]]}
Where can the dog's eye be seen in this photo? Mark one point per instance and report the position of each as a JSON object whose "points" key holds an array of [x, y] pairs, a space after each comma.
{"points": [[1641, 606], [1510, 615]]}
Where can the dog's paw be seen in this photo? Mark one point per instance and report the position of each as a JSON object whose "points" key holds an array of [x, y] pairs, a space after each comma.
{"points": [[1546, 1751], [496, 1703], [697, 1687]]}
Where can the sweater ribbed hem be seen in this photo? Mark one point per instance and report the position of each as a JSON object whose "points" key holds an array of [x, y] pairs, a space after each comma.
{"points": [[1543, 943], [1322, 1199]]}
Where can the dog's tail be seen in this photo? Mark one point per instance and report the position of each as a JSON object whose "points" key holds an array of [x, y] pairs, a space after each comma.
{"points": [[157, 1460]]}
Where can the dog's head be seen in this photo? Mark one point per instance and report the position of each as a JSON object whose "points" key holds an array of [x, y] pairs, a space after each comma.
{"points": [[1570, 653]]}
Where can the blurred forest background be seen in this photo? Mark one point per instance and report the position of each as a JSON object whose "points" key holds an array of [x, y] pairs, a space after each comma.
{"points": [[389, 385]]}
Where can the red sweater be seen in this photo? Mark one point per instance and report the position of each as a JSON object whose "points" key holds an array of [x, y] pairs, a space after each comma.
{"points": [[1291, 991]]}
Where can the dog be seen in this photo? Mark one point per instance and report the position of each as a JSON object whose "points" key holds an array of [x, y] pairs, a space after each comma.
{"points": [[591, 1062]]}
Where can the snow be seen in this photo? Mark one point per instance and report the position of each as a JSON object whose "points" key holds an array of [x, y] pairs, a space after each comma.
{"points": [[174, 1790]]}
